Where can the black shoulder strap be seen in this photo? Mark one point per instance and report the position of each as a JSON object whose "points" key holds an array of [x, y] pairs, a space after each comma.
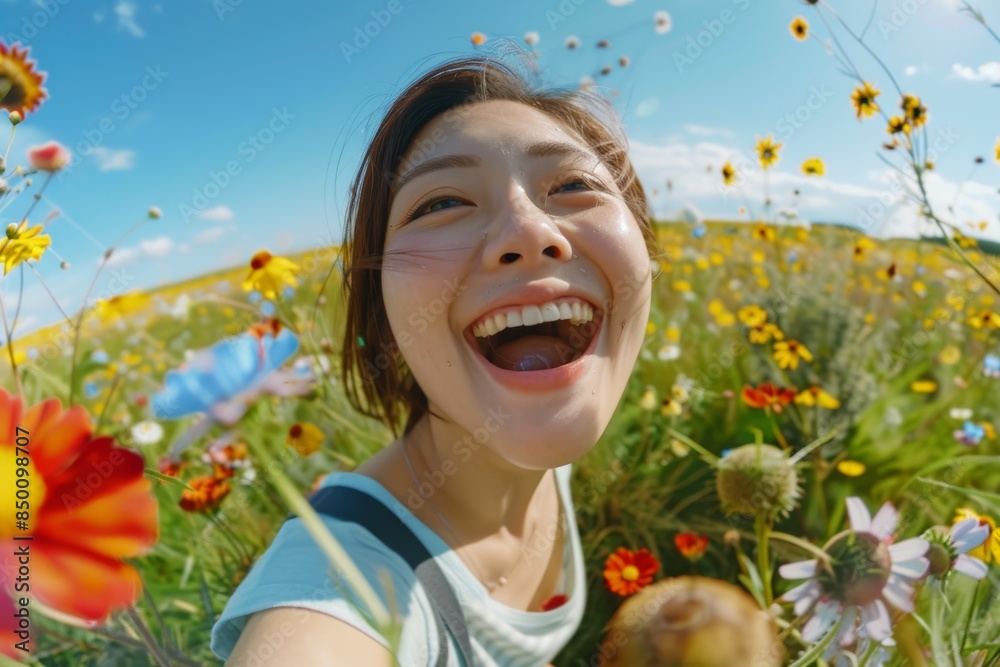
{"points": [[347, 504]]}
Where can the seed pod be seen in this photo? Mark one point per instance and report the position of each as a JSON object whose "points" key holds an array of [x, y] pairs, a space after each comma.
{"points": [[756, 478]]}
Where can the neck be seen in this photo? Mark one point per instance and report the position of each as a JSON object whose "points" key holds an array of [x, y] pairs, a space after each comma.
{"points": [[477, 492]]}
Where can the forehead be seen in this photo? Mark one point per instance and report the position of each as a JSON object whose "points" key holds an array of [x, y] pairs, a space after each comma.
{"points": [[500, 125]]}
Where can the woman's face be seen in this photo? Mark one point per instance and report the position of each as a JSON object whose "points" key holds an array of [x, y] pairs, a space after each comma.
{"points": [[513, 215]]}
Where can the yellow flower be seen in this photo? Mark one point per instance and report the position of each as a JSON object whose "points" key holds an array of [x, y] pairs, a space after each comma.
{"points": [[898, 124], [305, 438], [717, 258], [701, 263], [851, 468], [985, 320], [728, 174], [269, 273], [919, 287], [648, 400], [758, 258], [715, 307], [23, 84], [681, 286], [815, 395], [763, 232], [916, 112], [21, 243], [787, 353], [650, 328], [671, 407], [997, 149], [799, 28], [863, 98], [988, 551], [869, 318], [752, 316], [763, 333], [988, 430], [763, 282], [863, 245], [672, 334], [767, 151], [813, 167], [924, 386], [950, 355], [121, 306], [725, 319]]}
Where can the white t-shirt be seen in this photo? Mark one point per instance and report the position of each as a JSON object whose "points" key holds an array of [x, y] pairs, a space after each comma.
{"points": [[293, 572]]}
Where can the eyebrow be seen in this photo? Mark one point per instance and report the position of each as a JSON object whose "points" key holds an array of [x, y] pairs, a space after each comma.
{"points": [[540, 149]]}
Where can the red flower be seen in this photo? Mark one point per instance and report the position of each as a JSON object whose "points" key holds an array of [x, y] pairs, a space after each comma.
{"points": [[52, 156], [626, 572], [554, 602], [768, 396], [691, 545], [90, 506]]}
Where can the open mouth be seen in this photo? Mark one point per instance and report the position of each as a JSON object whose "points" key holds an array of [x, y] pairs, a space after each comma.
{"points": [[538, 347]]}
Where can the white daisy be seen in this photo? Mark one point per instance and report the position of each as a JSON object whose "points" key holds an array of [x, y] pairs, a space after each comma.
{"points": [[865, 573], [147, 433], [531, 38], [948, 549], [662, 22]]}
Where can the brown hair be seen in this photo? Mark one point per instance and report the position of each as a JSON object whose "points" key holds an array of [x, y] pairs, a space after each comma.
{"points": [[368, 345]]}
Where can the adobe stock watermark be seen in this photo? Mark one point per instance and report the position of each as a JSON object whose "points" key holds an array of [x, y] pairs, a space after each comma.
{"points": [[248, 149], [561, 13], [899, 16], [701, 41], [30, 25], [364, 34], [121, 108]]}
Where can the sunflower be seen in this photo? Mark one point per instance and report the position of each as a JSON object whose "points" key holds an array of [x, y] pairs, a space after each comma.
{"points": [[627, 572], [91, 507], [916, 112], [813, 167], [763, 232], [729, 172], [22, 244], [787, 353], [799, 28], [863, 98], [767, 151], [898, 124], [20, 85], [267, 273]]}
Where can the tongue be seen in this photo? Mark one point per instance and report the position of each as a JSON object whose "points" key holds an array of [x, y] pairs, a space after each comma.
{"points": [[532, 353]]}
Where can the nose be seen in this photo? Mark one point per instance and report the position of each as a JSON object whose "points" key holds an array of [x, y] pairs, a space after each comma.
{"points": [[524, 231]]}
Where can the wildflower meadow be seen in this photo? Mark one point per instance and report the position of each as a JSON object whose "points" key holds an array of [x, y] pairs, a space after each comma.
{"points": [[804, 469]]}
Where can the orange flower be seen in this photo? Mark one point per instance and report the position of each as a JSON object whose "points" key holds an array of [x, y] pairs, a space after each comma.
{"points": [[207, 493], [691, 545], [768, 396], [90, 506], [25, 92], [168, 467], [626, 572]]}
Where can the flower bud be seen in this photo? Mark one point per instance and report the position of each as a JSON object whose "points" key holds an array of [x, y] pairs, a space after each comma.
{"points": [[15, 117], [691, 620], [756, 478], [155, 213], [12, 231]]}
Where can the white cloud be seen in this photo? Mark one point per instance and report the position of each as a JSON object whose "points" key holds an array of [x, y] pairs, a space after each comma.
{"points": [[113, 160], [217, 214], [213, 233], [158, 247], [989, 72], [705, 131], [125, 11], [911, 70]]}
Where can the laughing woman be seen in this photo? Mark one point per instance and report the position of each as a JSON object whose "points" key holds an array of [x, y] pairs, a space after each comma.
{"points": [[498, 249]]}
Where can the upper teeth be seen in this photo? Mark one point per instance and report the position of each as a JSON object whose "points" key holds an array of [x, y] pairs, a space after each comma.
{"points": [[574, 310]]}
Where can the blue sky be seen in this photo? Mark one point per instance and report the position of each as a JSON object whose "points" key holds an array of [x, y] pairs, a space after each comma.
{"points": [[156, 101]]}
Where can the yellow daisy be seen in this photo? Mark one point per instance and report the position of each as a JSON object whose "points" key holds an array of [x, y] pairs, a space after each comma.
{"points": [[787, 353], [815, 395], [799, 28], [767, 151], [729, 172], [863, 99], [950, 355], [916, 112], [648, 400], [898, 124], [813, 167], [20, 85], [851, 468], [924, 386], [268, 274], [988, 551], [764, 333], [763, 232], [681, 286], [305, 438], [22, 244], [752, 316]]}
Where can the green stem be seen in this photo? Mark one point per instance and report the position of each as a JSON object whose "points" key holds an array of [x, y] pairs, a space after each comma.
{"points": [[147, 637], [763, 557], [802, 544]]}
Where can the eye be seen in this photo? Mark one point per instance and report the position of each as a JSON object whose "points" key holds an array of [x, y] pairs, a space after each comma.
{"points": [[431, 205], [575, 184]]}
